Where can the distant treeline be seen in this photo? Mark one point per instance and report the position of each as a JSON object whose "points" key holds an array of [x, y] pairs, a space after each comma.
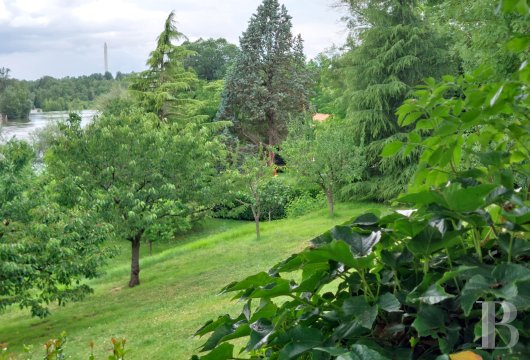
{"points": [[209, 59], [18, 97], [71, 93]]}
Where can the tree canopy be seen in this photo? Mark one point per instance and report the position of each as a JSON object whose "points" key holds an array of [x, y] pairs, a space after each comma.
{"points": [[269, 80], [211, 58], [15, 101]]}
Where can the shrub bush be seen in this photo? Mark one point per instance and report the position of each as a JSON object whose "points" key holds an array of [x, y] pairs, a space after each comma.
{"points": [[276, 194], [304, 204]]}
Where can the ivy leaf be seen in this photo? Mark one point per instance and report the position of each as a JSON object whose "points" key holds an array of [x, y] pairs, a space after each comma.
{"points": [[261, 331], [260, 279], [360, 310], [434, 295], [431, 240], [501, 284], [333, 351], [219, 333], [279, 287], [299, 340], [466, 199], [212, 325], [362, 352], [360, 245], [366, 220], [222, 352], [430, 321], [396, 259], [389, 303], [337, 251]]}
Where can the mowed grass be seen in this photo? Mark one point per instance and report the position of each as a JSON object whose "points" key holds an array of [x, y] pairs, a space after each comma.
{"points": [[178, 292]]}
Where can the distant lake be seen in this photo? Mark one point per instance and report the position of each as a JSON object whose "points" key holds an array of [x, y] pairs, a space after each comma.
{"points": [[23, 129]]}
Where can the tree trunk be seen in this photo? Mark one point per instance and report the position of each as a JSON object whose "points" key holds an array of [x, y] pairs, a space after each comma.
{"points": [[135, 260], [331, 202], [256, 219], [270, 133], [257, 216]]}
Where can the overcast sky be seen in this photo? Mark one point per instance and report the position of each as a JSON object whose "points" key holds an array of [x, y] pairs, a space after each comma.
{"points": [[65, 37]]}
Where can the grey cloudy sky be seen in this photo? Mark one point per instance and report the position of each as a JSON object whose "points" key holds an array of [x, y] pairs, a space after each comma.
{"points": [[65, 37]]}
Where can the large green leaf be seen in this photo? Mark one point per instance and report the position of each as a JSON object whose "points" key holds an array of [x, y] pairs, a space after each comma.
{"points": [[299, 340], [432, 239], [434, 294], [260, 279], [500, 285], [466, 199], [389, 303], [360, 244], [430, 321], [222, 352], [357, 308], [279, 287], [362, 352]]}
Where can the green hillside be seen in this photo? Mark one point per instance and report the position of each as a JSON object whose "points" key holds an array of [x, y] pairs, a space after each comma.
{"points": [[178, 291]]}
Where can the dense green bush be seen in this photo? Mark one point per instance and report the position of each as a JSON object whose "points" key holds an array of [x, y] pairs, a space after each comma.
{"points": [[304, 204], [408, 285], [276, 194]]}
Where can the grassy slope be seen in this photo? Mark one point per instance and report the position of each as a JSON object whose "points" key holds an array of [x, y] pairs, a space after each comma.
{"points": [[178, 290]]}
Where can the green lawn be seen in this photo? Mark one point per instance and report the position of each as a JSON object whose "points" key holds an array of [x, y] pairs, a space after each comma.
{"points": [[178, 291]]}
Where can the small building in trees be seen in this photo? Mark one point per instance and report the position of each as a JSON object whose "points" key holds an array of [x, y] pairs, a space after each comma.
{"points": [[321, 117]]}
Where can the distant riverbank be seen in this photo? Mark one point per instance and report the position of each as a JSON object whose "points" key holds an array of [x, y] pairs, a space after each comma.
{"points": [[23, 129]]}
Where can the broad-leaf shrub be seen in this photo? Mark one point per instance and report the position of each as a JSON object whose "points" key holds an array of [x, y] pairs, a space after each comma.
{"points": [[406, 285]]}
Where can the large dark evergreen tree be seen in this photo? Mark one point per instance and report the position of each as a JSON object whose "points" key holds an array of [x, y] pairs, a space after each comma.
{"points": [[269, 79], [393, 50]]}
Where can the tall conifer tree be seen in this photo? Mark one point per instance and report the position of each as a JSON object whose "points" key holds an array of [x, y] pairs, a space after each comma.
{"points": [[164, 88], [269, 79], [393, 50]]}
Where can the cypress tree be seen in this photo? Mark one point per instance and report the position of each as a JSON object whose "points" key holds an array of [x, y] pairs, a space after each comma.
{"points": [[393, 51], [269, 79]]}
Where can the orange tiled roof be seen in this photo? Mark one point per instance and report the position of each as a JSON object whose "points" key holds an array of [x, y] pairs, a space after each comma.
{"points": [[321, 117]]}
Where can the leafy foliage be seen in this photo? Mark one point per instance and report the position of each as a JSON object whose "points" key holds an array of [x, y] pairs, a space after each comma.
{"points": [[211, 58], [276, 196], [475, 43], [405, 285], [45, 250]]}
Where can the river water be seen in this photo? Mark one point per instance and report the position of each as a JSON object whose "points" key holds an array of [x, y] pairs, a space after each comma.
{"points": [[24, 129]]}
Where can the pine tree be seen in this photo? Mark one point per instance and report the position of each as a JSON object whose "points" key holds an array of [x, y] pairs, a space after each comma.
{"points": [[269, 80], [395, 50]]}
